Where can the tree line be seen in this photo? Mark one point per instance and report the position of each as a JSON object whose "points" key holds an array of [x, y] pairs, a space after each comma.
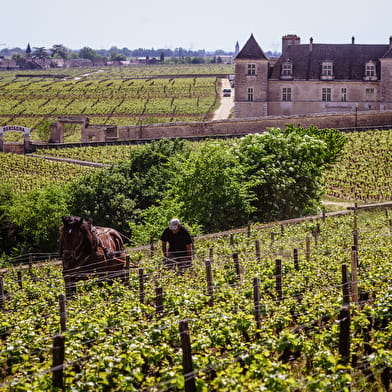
{"points": [[118, 54]]}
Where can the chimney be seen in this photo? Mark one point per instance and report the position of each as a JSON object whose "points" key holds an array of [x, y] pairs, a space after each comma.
{"points": [[310, 44], [353, 40], [290, 39]]}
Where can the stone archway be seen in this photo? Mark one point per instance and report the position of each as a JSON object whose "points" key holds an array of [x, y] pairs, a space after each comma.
{"points": [[20, 148], [57, 129]]}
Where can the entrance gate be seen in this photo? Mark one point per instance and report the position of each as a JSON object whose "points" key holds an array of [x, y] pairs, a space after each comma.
{"points": [[19, 148]]}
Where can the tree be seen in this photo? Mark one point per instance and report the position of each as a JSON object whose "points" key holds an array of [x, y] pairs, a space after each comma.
{"points": [[43, 129], [37, 215], [40, 53], [117, 57], [60, 50], [284, 169], [210, 187], [117, 195], [87, 53], [9, 232]]}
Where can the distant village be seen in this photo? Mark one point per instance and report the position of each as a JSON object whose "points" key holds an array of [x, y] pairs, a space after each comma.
{"points": [[61, 57]]}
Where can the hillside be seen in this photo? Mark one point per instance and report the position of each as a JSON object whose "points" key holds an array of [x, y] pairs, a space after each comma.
{"points": [[112, 95]]}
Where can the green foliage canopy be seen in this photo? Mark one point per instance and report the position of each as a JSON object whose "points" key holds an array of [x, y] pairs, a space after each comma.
{"points": [[284, 172], [37, 215]]}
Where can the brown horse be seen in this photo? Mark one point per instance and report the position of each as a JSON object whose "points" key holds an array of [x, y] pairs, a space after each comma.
{"points": [[87, 250]]}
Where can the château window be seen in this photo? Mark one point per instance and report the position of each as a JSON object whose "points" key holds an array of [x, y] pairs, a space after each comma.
{"points": [[326, 95], [286, 94], [287, 70], [327, 70], [251, 69], [369, 90], [344, 94], [370, 71], [250, 94]]}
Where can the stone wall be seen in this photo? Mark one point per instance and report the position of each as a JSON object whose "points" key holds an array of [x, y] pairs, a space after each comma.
{"points": [[253, 125], [14, 148], [110, 134]]}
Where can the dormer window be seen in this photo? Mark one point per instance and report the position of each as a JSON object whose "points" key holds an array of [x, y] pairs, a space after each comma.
{"points": [[287, 70], [327, 70], [370, 71], [251, 69]]}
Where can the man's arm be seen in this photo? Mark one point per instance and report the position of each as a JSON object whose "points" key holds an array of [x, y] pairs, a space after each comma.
{"points": [[164, 248]]}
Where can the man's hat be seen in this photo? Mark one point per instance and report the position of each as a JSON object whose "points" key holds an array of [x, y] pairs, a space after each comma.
{"points": [[174, 223]]}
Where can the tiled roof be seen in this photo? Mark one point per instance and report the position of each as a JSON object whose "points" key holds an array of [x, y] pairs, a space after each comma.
{"points": [[251, 51], [348, 60]]}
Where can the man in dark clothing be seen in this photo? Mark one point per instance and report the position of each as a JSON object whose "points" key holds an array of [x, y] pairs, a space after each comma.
{"points": [[179, 252]]}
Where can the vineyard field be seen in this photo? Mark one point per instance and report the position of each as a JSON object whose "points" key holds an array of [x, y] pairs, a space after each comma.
{"points": [[117, 338], [364, 171], [114, 95], [25, 173]]}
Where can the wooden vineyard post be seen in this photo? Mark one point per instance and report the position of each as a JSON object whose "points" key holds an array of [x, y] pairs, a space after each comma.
{"points": [[20, 281], [232, 240], [249, 233], [2, 297], [345, 285], [159, 300], [210, 286], [307, 252], [58, 361], [187, 362], [141, 285], [272, 237], [278, 278], [237, 265], [256, 298], [355, 238], [295, 256], [63, 312], [211, 254], [344, 334], [258, 254], [354, 277]]}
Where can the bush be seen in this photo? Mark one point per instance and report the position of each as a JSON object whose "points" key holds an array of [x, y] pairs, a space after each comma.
{"points": [[37, 215], [284, 169], [210, 188]]}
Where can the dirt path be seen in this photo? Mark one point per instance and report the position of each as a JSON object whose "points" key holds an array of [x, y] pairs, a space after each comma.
{"points": [[227, 103]]}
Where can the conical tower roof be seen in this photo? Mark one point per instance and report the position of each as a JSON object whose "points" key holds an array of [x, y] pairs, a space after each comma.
{"points": [[251, 51]]}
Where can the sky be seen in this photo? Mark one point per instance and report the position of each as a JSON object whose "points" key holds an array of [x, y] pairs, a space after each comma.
{"points": [[190, 24]]}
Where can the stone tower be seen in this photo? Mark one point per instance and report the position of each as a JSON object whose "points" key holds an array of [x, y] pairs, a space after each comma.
{"points": [[28, 51], [251, 81], [386, 79]]}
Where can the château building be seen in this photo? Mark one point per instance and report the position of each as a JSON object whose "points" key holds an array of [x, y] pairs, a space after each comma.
{"points": [[312, 78]]}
